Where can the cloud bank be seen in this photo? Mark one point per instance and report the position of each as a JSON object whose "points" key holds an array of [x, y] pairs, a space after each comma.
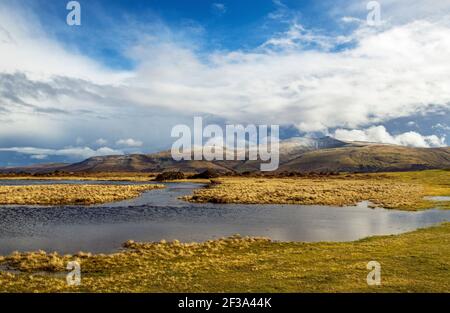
{"points": [[80, 152], [379, 134], [318, 82], [389, 74]]}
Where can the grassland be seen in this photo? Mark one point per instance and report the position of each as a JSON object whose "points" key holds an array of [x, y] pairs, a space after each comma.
{"points": [[413, 262], [61, 194], [101, 176], [406, 191], [403, 190]]}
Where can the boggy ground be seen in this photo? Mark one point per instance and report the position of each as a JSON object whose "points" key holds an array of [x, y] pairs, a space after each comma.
{"points": [[64, 194], [418, 261], [405, 191]]}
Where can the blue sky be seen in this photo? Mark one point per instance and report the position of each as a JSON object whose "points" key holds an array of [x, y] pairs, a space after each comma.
{"points": [[213, 25], [119, 82]]}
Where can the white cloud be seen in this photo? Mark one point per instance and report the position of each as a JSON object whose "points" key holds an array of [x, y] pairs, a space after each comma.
{"points": [[351, 19], [130, 142], [441, 126], [394, 73], [25, 47], [298, 37], [75, 152], [379, 134], [101, 141]]}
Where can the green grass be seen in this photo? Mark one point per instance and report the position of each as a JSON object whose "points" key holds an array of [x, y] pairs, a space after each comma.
{"points": [[418, 261]]}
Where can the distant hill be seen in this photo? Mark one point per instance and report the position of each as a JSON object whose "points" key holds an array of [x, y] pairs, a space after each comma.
{"points": [[370, 158], [35, 168], [296, 154], [156, 162], [162, 161]]}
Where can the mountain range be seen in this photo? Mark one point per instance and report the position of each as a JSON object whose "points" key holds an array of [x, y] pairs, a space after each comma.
{"points": [[297, 154]]}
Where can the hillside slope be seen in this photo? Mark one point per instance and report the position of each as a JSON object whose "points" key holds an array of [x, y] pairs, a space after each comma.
{"points": [[370, 158]]}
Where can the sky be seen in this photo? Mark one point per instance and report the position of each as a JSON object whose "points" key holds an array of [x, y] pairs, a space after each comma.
{"points": [[119, 82]]}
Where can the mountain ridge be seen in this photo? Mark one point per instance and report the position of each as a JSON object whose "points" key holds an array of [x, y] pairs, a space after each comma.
{"points": [[297, 154]]}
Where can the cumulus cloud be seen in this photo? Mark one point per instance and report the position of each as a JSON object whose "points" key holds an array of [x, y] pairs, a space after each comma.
{"points": [[74, 152], [379, 134], [390, 73], [130, 142], [394, 73]]}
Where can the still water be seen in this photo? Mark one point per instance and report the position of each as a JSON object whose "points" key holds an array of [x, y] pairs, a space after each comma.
{"points": [[159, 214]]}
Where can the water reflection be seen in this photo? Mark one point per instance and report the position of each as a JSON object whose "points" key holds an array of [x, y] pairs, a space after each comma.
{"points": [[438, 198]]}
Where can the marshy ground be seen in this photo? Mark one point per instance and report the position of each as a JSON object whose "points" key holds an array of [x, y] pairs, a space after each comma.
{"points": [[65, 194], [407, 191], [418, 261]]}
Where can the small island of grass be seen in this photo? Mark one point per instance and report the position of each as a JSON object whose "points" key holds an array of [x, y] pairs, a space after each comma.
{"points": [[67, 194], [403, 190]]}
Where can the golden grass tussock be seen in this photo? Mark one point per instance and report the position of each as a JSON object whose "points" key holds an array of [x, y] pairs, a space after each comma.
{"points": [[239, 264], [391, 190], [65, 194]]}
